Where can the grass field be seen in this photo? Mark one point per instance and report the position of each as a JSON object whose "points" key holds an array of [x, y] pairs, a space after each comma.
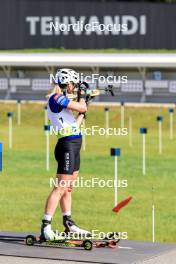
{"points": [[24, 183]]}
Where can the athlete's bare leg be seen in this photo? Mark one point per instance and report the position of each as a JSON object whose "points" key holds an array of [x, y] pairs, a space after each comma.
{"points": [[57, 193], [65, 201]]}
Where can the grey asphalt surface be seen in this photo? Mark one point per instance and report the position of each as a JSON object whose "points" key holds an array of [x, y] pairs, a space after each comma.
{"points": [[17, 260], [165, 258], [128, 252]]}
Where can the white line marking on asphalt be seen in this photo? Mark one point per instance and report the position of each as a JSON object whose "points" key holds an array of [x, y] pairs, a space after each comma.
{"points": [[125, 247]]}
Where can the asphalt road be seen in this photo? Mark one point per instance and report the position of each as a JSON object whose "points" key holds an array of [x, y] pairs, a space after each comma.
{"points": [[127, 252]]}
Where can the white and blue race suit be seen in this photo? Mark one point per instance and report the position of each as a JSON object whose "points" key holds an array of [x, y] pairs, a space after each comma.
{"points": [[67, 150], [61, 118]]}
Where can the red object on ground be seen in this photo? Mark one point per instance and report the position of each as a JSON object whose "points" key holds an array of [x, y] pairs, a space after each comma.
{"points": [[120, 205]]}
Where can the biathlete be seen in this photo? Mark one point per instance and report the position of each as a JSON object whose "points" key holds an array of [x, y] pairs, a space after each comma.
{"points": [[67, 150]]}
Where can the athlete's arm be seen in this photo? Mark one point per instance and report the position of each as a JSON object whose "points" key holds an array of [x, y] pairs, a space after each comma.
{"points": [[64, 102], [80, 106], [80, 119]]}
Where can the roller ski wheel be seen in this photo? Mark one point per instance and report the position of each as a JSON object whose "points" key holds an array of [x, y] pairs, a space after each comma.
{"points": [[112, 244], [111, 241], [87, 244], [30, 240]]}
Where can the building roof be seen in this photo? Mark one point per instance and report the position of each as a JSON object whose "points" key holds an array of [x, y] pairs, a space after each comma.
{"points": [[112, 60]]}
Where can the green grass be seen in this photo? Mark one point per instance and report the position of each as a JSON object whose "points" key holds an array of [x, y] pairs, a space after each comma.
{"points": [[25, 183], [62, 50]]}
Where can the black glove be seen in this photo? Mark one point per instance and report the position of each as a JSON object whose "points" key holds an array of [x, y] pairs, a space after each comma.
{"points": [[83, 91], [84, 86]]}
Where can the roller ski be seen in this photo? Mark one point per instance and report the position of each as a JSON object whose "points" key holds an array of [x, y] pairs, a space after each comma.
{"points": [[53, 239], [73, 236], [50, 238], [60, 241], [110, 240]]}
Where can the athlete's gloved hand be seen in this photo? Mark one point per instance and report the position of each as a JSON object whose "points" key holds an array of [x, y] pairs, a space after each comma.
{"points": [[84, 86], [84, 92], [84, 114]]}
